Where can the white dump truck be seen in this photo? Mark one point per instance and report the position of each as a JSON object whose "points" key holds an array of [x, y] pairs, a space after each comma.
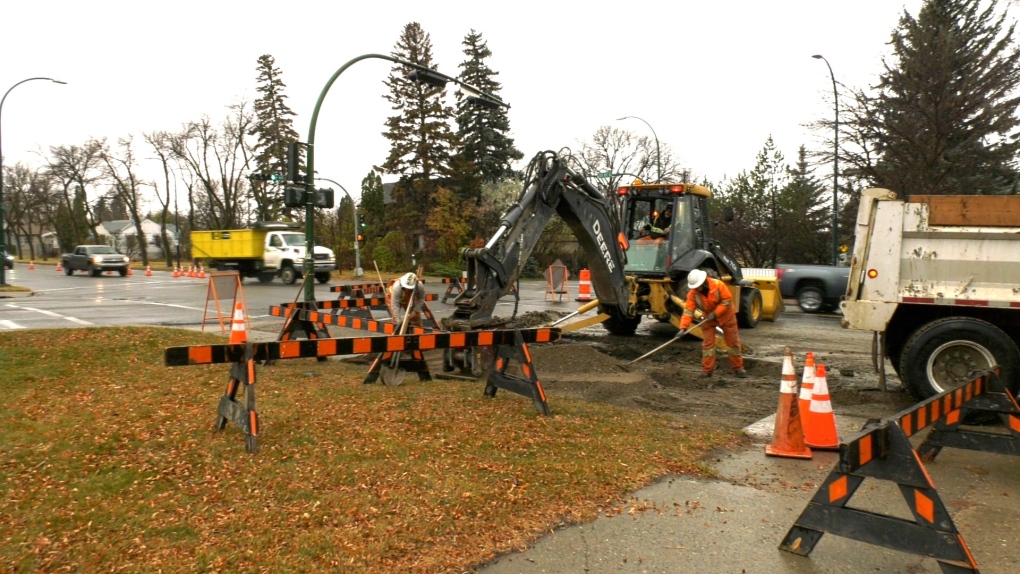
{"points": [[268, 250], [938, 279]]}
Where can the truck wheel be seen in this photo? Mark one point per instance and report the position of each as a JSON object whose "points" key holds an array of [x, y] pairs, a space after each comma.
{"points": [[123, 272], [67, 270], [95, 272], [618, 324], [810, 299], [266, 277], [288, 274], [947, 352], [750, 308], [322, 277]]}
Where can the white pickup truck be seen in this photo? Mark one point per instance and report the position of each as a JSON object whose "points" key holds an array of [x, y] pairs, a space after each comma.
{"points": [[268, 250], [938, 278]]}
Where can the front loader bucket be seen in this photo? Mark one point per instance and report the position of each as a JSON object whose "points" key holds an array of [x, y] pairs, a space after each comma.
{"points": [[771, 299]]}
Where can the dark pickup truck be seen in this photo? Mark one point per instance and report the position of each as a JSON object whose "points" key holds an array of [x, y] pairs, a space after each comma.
{"points": [[95, 259], [816, 288]]}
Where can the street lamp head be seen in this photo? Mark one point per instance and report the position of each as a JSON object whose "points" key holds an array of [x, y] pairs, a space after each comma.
{"points": [[818, 57], [55, 81], [623, 118]]}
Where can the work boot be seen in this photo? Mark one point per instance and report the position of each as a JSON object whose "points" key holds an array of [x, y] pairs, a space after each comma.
{"points": [[706, 374], [740, 373]]}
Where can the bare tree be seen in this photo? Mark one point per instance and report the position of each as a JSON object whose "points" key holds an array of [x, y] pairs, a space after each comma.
{"points": [[161, 145], [624, 155], [216, 158], [119, 169], [28, 196], [78, 170]]}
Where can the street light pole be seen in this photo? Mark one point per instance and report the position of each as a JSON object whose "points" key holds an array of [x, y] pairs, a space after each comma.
{"points": [[425, 74], [658, 154], [3, 232], [358, 271], [835, 165]]}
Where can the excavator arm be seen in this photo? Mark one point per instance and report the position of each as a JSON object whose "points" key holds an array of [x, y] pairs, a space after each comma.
{"points": [[551, 187]]}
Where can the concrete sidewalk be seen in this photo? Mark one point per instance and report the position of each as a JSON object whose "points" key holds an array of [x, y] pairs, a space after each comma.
{"points": [[736, 523]]}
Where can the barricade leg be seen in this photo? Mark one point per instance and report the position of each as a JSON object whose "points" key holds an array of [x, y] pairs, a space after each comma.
{"points": [[529, 386], [883, 454], [243, 416], [410, 361]]}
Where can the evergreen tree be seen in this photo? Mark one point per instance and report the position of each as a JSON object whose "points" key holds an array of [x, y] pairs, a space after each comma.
{"points": [[943, 118], [483, 132], [804, 217], [371, 211], [421, 141], [274, 128]]}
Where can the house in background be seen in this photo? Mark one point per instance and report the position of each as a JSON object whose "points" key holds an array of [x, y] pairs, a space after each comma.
{"points": [[122, 235]]}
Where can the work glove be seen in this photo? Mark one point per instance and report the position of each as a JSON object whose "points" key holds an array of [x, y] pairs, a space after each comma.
{"points": [[680, 333], [710, 316]]}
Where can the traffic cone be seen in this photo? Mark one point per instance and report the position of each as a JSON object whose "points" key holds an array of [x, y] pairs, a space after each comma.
{"points": [[788, 437], [820, 426], [239, 327], [584, 286], [59, 268], [177, 272], [31, 265], [148, 271], [807, 383], [201, 272], [130, 272]]}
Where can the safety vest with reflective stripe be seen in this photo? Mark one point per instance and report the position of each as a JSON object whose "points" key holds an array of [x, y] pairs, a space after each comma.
{"points": [[718, 300]]}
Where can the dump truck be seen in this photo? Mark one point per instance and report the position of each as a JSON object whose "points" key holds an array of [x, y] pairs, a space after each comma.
{"points": [[267, 250], [937, 278]]}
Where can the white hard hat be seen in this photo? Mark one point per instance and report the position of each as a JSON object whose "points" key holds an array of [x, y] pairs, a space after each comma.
{"points": [[408, 281], [695, 278]]}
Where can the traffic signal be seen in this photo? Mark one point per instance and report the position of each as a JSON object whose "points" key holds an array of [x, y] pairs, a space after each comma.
{"points": [[293, 161], [276, 176], [261, 176], [293, 196], [361, 237]]}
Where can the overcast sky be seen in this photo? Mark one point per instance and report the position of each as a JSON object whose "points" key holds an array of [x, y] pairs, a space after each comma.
{"points": [[713, 79]]}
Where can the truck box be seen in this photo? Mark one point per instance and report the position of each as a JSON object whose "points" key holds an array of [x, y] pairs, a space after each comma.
{"points": [[228, 244], [938, 278]]}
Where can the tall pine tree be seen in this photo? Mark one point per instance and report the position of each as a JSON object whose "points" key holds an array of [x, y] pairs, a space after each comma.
{"points": [[483, 132], [943, 118], [274, 127], [421, 141]]}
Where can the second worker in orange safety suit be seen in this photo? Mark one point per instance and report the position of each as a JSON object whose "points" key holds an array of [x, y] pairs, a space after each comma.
{"points": [[712, 297]]}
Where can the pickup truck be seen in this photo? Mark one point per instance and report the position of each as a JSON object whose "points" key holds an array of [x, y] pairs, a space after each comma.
{"points": [[95, 259], [816, 288]]}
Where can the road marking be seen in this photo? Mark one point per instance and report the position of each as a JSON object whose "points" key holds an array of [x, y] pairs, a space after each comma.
{"points": [[165, 305], [51, 314], [10, 324]]}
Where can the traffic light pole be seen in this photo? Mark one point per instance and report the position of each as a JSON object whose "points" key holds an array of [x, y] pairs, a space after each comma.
{"points": [[421, 73]]}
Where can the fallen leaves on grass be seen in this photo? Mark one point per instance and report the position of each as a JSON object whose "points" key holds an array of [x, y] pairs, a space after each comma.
{"points": [[109, 460]]}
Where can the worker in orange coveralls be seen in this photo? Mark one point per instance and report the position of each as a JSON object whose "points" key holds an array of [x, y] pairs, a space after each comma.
{"points": [[712, 297]]}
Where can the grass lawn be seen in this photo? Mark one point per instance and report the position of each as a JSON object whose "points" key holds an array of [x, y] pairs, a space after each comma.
{"points": [[109, 462]]}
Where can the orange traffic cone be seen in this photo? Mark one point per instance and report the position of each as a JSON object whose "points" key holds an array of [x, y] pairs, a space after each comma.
{"points": [[31, 265], [148, 271], [788, 438], [239, 327], [584, 286], [177, 272], [201, 272], [807, 383], [59, 268], [130, 272], [820, 426]]}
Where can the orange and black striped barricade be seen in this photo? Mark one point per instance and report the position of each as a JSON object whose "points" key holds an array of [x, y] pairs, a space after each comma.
{"points": [[455, 283], [883, 451], [243, 358]]}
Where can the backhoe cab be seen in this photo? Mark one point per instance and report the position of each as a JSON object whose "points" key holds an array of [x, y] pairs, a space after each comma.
{"points": [[668, 234]]}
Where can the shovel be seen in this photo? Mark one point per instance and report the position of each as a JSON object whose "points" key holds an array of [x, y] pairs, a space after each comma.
{"points": [[677, 337], [392, 374]]}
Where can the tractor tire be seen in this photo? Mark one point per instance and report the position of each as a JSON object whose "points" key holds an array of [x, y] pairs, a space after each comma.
{"points": [[751, 307], [950, 351], [617, 324], [289, 275], [810, 299]]}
